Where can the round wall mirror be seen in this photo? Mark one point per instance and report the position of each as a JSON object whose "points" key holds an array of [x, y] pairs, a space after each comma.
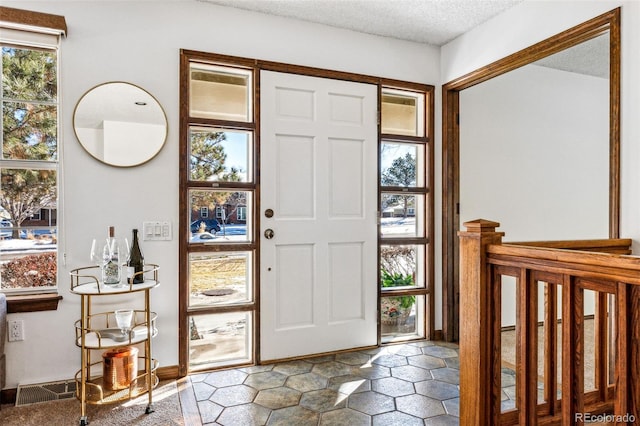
{"points": [[120, 124]]}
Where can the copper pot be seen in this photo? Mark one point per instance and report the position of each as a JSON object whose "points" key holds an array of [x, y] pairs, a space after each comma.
{"points": [[119, 367]]}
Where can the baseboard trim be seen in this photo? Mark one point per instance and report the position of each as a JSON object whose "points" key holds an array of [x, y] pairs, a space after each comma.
{"points": [[8, 396], [170, 372], [541, 323]]}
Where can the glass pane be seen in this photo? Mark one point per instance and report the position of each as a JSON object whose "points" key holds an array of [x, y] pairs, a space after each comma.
{"points": [[220, 339], [402, 215], [402, 318], [220, 155], [228, 216], [29, 74], [28, 229], [29, 131], [508, 343], [611, 339], [590, 342], [559, 345], [401, 164], [403, 266], [220, 93], [402, 113], [220, 278], [545, 291]]}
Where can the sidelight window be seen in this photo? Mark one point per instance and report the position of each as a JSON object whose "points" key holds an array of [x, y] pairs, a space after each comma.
{"points": [[219, 249], [404, 206]]}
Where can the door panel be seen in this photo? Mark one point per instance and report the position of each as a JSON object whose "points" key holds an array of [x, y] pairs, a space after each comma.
{"points": [[294, 176], [294, 297], [319, 175], [347, 187], [346, 281]]}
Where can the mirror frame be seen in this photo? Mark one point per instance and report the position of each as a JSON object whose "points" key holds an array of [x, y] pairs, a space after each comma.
{"points": [[609, 21], [145, 160]]}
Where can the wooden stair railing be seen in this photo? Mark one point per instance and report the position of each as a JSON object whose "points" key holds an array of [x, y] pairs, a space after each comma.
{"points": [[565, 269]]}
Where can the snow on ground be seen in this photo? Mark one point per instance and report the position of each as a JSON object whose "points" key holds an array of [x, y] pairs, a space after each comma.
{"points": [[26, 245], [398, 226]]}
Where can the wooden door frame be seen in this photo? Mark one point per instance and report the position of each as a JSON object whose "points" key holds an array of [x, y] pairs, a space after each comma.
{"points": [[609, 21]]}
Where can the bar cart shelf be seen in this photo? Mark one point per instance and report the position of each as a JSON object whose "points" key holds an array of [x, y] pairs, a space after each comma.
{"points": [[98, 331]]}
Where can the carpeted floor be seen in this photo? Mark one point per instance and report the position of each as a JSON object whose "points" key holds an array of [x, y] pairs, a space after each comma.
{"points": [[166, 403], [509, 352]]}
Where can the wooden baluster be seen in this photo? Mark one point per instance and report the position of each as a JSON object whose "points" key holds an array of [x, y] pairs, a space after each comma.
{"points": [[478, 377], [527, 368], [601, 342], [572, 352], [621, 403], [627, 396], [633, 339]]}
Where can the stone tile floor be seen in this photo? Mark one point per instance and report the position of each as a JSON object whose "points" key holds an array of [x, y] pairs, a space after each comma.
{"points": [[414, 383]]}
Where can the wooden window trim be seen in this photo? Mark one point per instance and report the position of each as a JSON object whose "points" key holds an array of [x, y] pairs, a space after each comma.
{"points": [[428, 291], [18, 18], [43, 23], [32, 302]]}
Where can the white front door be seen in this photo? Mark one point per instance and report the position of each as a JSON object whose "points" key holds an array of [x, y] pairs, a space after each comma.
{"points": [[318, 143]]}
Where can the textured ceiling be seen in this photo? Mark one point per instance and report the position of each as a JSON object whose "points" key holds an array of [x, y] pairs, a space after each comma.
{"points": [[590, 58], [434, 22]]}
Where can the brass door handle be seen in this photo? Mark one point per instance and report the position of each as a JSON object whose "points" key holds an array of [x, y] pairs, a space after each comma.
{"points": [[269, 234]]}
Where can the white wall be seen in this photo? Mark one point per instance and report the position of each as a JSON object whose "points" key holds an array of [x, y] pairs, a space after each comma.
{"points": [[139, 42], [534, 155]]}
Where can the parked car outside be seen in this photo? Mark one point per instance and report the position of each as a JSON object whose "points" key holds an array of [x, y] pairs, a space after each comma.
{"points": [[4, 233], [210, 225], [202, 237], [48, 232]]}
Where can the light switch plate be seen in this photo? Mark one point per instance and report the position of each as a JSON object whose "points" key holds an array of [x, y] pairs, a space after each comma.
{"points": [[156, 231]]}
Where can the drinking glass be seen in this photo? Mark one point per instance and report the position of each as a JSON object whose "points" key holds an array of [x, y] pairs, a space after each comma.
{"points": [[96, 253], [123, 319]]}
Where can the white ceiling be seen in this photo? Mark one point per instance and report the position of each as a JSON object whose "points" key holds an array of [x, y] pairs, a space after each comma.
{"points": [[434, 22]]}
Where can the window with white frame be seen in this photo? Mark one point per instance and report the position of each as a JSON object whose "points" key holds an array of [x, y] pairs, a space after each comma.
{"points": [[29, 158], [242, 213], [204, 211], [220, 212]]}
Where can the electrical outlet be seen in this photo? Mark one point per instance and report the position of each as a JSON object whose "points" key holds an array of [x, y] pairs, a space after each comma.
{"points": [[16, 330]]}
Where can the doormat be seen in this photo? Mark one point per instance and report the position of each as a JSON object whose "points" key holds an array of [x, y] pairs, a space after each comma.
{"points": [[43, 392]]}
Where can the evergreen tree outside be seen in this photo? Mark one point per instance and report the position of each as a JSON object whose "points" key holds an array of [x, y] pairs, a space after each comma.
{"points": [[29, 160], [207, 163], [401, 173]]}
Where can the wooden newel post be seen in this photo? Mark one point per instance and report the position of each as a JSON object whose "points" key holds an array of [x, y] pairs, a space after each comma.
{"points": [[476, 325]]}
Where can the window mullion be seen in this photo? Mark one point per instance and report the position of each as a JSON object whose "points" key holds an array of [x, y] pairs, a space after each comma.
{"points": [[28, 164]]}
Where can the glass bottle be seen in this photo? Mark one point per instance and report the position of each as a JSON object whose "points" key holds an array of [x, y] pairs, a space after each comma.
{"points": [[111, 257], [135, 262]]}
